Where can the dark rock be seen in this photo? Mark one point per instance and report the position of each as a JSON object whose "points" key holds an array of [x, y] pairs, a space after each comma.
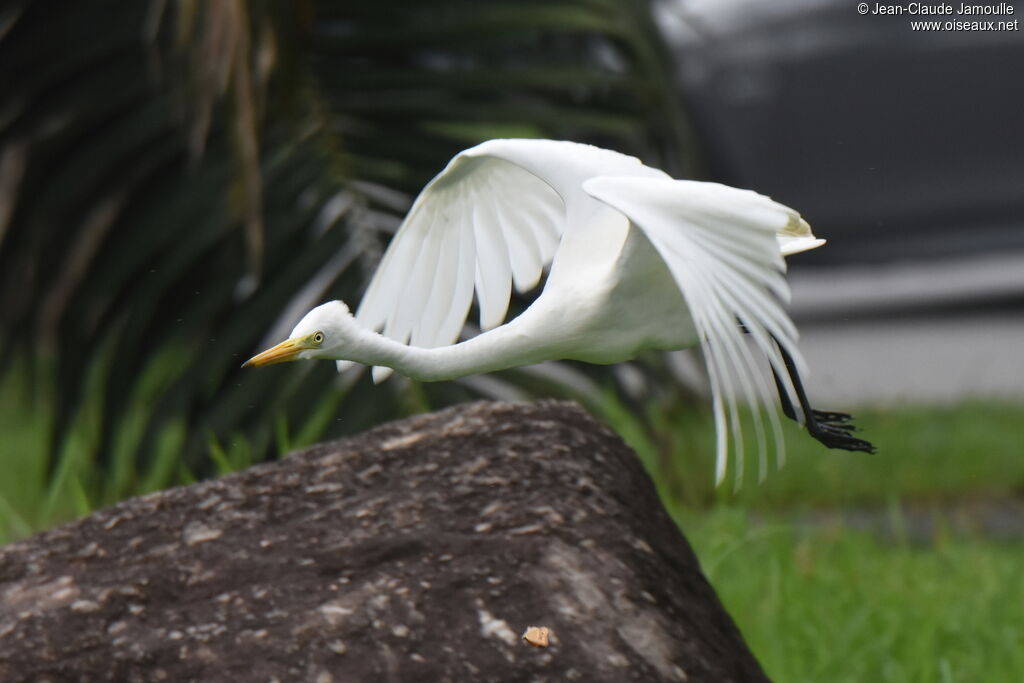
{"points": [[419, 551]]}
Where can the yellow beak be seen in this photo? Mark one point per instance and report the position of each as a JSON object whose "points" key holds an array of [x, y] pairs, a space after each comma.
{"points": [[285, 351]]}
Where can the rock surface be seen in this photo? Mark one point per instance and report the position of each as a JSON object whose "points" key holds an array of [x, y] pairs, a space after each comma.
{"points": [[418, 551]]}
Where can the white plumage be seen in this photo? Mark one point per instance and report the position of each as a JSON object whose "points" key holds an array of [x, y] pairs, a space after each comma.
{"points": [[636, 260]]}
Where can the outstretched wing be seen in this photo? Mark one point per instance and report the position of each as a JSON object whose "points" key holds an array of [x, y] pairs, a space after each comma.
{"points": [[491, 220], [721, 246]]}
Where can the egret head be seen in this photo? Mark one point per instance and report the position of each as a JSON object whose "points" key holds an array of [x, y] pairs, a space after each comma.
{"points": [[324, 332]]}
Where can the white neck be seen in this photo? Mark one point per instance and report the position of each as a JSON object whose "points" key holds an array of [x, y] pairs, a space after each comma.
{"points": [[503, 347]]}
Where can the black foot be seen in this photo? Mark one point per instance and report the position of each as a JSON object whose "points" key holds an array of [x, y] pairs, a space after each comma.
{"points": [[830, 428], [833, 430]]}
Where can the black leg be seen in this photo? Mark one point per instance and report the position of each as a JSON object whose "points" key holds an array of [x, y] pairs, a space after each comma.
{"points": [[831, 429], [784, 402]]}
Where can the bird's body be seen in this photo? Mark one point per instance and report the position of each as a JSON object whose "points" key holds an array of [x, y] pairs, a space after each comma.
{"points": [[636, 259], [621, 301]]}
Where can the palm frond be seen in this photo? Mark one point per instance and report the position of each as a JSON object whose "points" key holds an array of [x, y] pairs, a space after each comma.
{"points": [[177, 174]]}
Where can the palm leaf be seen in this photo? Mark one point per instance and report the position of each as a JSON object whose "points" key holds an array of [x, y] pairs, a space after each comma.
{"points": [[177, 174]]}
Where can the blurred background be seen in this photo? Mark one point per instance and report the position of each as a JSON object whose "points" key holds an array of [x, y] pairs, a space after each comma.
{"points": [[902, 149], [181, 180]]}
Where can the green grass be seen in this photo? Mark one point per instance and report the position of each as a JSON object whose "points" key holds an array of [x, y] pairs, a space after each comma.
{"points": [[822, 601], [972, 449], [837, 605], [30, 502]]}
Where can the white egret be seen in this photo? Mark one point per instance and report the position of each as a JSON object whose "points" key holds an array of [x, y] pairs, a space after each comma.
{"points": [[637, 260]]}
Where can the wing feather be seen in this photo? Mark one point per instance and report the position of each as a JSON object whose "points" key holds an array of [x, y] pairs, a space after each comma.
{"points": [[542, 221], [720, 246], [428, 320], [493, 271], [405, 314], [462, 294], [524, 255], [400, 258], [482, 225]]}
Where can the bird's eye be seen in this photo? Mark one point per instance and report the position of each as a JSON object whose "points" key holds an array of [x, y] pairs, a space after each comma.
{"points": [[318, 338]]}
